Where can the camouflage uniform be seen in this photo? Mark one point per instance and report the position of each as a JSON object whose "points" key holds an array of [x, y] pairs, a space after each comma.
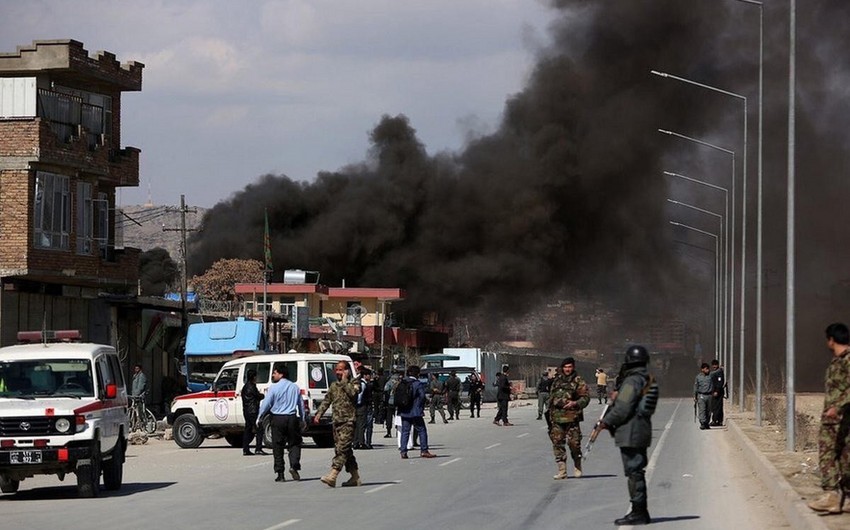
{"points": [[566, 423], [343, 397], [437, 389], [838, 396]]}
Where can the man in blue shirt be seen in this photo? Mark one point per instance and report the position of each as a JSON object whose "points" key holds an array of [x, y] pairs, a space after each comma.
{"points": [[283, 401]]}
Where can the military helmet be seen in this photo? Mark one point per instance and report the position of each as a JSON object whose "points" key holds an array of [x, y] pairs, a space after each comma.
{"points": [[636, 355]]}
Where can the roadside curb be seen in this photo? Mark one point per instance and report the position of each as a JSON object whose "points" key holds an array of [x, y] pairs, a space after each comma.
{"points": [[795, 510]]}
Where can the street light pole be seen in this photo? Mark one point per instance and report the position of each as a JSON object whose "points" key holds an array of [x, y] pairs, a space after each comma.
{"points": [[708, 212], [790, 398], [717, 286], [742, 319], [716, 247], [731, 263], [723, 353]]}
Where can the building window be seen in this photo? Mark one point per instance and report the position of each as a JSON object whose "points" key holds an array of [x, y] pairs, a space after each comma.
{"points": [[353, 313], [85, 221], [51, 211], [101, 208], [66, 109]]}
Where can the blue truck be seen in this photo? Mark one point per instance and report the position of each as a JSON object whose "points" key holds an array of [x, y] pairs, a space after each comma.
{"points": [[211, 344]]}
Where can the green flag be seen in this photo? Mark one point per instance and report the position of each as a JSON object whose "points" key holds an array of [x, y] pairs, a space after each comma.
{"points": [[267, 246]]}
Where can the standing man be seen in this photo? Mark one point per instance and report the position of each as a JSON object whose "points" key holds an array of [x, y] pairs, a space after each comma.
{"points": [[362, 414], [283, 401], [414, 417], [437, 389], [568, 397], [140, 388], [453, 386], [343, 396], [251, 397], [379, 406], [503, 396], [630, 419], [702, 395], [543, 387], [718, 389], [836, 400], [601, 385], [476, 388], [389, 399]]}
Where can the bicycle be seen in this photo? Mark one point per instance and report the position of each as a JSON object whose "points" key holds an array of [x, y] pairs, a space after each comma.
{"points": [[139, 417]]}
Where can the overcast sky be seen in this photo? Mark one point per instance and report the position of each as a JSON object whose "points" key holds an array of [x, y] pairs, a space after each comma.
{"points": [[236, 89]]}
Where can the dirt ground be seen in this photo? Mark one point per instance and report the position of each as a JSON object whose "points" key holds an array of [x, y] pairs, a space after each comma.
{"points": [[800, 468]]}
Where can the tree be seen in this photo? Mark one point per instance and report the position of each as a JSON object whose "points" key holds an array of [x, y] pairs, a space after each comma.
{"points": [[157, 272], [218, 282]]}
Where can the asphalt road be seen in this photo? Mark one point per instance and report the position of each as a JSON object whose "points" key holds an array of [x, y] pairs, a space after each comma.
{"points": [[484, 477]]}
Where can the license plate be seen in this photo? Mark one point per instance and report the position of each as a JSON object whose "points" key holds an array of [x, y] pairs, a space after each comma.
{"points": [[25, 457]]}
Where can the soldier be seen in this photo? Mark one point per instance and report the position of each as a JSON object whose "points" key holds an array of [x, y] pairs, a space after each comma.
{"points": [[568, 396], [836, 398], [543, 387], [630, 419], [718, 388], [476, 388], [453, 386], [503, 396], [342, 394], [437, 389], [702, 394]]}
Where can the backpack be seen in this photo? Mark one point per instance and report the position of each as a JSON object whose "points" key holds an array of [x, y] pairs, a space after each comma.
{"points": [[648, 398], [403, 395]]}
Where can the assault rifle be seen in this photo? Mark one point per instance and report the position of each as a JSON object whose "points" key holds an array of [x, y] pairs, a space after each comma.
{"points": [[595, 432]]}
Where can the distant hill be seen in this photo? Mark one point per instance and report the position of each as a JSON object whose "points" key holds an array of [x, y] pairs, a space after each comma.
{"points": [[143, 226]]}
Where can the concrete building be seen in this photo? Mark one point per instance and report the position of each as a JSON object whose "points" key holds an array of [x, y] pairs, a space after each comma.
{"points": [[61, 162]]}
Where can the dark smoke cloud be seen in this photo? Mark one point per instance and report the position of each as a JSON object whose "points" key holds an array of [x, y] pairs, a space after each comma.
{"points": [[569, 192]]}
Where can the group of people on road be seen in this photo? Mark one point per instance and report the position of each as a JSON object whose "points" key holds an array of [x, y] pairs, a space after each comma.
{"points": [[628, 418], [709, 393]]}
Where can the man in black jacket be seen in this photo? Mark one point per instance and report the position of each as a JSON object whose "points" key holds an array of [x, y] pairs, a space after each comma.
{"points": [[503, 396], [251, 398], [632, 429]]}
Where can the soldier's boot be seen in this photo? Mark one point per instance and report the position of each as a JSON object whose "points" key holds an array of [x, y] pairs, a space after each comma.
{"points": [[578, 472], [330, 478], [562, 471], [637, 516], [354, 480], [828, 502]]}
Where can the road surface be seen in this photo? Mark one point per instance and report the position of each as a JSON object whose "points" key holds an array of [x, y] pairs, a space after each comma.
{"points": [[485, 477]]}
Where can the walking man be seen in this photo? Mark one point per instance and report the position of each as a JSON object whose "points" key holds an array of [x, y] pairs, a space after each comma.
{"points": [[630, 419], [414, 417], [251, 398], [503, 396], [702, 395], [836, 400], [362, 414], [283, 401], [437, 389], [718, 389], [476, 389], [389, 398], [601, 385], [342, 394], [453, 386], [543, 394], [568, 397]]}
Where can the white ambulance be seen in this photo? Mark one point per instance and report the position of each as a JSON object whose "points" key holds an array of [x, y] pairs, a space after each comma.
{"points": [[218, 411], [63, 409]]}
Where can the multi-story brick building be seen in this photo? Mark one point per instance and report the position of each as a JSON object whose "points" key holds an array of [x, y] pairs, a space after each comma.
{"points": [[60, 165]]}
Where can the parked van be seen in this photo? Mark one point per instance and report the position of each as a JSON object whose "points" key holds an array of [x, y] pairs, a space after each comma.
{"points": [[63, 410], [195, 416]]}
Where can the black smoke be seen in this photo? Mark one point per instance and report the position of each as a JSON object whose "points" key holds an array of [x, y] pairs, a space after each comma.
{"points": [[569, 191]]}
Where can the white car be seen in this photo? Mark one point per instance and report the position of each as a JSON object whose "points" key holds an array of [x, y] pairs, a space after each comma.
{"points": [[218, 411], [63, 409]]}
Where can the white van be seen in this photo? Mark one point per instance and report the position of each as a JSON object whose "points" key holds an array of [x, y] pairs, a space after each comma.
{"points": [[195, 416], [63, 410]]}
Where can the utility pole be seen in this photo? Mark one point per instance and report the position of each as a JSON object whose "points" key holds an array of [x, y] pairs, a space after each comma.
{"points": [[183, 259]]}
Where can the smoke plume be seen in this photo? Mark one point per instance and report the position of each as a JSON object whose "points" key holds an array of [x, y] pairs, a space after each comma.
{"points": [[569, 192]]}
